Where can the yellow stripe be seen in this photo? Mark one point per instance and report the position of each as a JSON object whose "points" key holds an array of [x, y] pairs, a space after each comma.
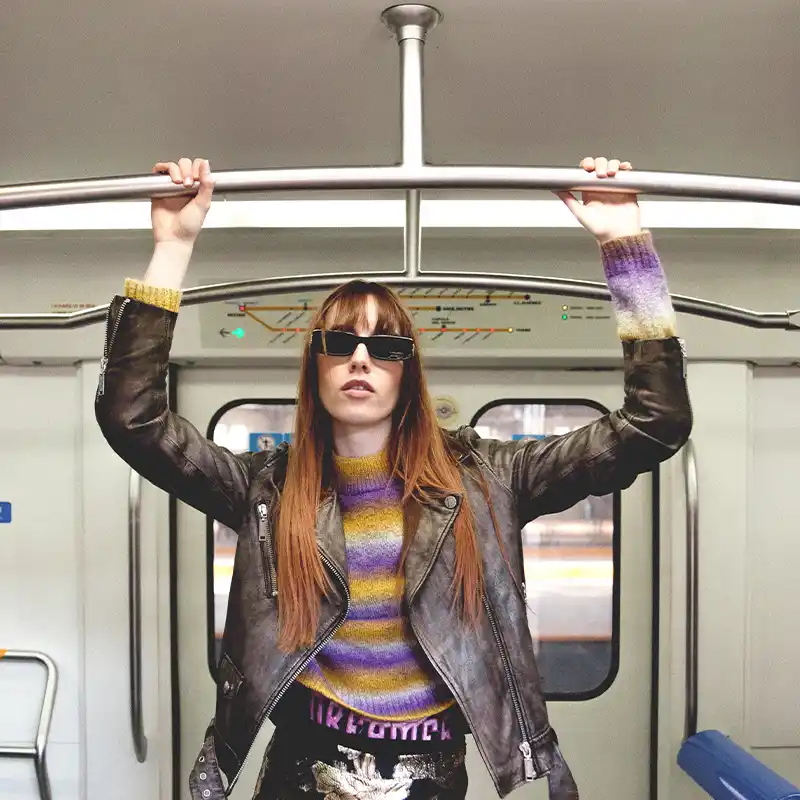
{"points": [[376, 588], [3, 653], [376, 521], [371, 630], [565, 571], [362, 467]]}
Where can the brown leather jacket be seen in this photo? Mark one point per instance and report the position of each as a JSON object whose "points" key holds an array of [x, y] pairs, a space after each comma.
{"points": [[490, 669]]}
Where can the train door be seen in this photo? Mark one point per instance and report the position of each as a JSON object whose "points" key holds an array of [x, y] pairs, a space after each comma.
{"points": [[588, 570]]}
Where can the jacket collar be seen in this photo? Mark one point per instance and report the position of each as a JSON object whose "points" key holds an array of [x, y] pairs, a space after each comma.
{"points": [[330, 534], [435, 522]]}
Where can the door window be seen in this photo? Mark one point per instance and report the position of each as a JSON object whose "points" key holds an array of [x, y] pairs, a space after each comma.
{"points": [[571, 560]]}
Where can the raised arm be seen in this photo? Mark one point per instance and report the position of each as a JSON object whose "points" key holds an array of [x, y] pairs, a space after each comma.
{"points": [[131, 405], [655, 420]]}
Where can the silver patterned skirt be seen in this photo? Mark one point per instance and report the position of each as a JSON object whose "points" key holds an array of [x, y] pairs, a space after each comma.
{"points": [[299, 768]]}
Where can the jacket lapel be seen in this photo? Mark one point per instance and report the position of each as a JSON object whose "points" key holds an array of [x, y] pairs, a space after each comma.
{"points": [[435, 522], [330, 534]]}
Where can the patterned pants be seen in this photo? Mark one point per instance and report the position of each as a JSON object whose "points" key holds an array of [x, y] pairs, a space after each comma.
{"points": [[298, 768]]}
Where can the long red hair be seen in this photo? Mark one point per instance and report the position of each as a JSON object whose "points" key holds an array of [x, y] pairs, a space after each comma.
{"points": [[418, 453]]}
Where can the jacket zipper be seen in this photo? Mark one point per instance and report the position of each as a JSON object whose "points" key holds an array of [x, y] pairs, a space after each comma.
{"points": [[682, 345], [109, 343], [303, 664], [265, 540], [525, 747]]}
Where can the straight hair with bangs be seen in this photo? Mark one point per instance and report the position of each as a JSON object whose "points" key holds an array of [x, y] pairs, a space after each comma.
{"points": [[418, 453]]}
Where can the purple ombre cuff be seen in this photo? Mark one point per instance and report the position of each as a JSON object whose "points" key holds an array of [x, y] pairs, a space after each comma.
{"points": [[638, 288]]}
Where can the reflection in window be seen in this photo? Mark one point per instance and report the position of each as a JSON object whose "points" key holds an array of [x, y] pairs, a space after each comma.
{"points": [[242, 428], [569, 561]]}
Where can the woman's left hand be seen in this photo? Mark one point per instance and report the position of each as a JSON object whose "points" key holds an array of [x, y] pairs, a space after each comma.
{"points": [[606, 215]]}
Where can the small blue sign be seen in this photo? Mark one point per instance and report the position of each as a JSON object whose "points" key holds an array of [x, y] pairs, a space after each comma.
{"points": [[522, 437], [261, 441], [5, 512]]}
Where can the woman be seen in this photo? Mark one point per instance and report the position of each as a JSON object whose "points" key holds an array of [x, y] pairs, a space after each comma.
{"points": [[377, 610]]}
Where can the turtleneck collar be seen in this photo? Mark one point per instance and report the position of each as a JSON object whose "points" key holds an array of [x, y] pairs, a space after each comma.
{"points": [[360, 474]]}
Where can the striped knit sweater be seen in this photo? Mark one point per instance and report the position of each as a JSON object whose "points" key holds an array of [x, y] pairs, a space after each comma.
{"points": [[373, 665]]}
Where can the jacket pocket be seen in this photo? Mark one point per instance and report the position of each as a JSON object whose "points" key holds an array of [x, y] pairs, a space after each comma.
{"points": [[229, 679], [267, 550]]}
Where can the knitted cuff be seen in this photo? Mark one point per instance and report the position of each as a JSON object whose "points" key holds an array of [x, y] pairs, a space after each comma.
{"points": [[638, 288], [169, 299]]}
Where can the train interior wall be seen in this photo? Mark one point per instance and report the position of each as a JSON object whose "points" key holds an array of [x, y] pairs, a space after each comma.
{"points": [[63, 556]]}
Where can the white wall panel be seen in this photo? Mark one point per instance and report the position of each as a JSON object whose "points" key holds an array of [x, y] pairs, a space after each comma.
{"points": [[40, 592], [774, 556]]}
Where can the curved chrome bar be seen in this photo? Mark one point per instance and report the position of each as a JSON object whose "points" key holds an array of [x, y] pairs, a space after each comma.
{"points": [[135, 613], [37, 750], [692, 586], [566, 287], [674, 184]]}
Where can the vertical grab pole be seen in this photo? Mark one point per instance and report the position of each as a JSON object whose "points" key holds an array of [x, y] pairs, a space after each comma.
{"points": [[410, 23], [692, 585], [135, 614]]}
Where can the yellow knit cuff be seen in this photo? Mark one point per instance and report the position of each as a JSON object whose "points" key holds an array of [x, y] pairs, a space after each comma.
{"points": [[169, 299]]}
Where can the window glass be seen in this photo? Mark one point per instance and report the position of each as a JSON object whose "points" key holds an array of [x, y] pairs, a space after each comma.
{"points": [[570, 565], [241, 428]]}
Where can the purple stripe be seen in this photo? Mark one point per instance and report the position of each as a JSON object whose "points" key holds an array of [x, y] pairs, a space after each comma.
{"points": [[635, 277], [409, 703], [339, 655], [375, 497], [384, 610], [630, 255], [374, 556]]}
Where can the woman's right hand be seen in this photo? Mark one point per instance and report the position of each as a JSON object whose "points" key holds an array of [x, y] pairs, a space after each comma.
{"points": [[180, 219]]}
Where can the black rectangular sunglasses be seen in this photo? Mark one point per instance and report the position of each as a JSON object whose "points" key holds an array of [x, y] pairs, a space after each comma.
{"points": [[380, 347]]}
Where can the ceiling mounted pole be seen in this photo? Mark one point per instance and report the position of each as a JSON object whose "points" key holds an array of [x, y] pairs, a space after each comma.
{"points": [[410, 23]]}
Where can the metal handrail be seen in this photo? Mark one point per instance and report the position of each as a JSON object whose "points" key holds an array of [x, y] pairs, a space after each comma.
{"points": [[135, 614], [405, 177], [36, 751], [563, 287], [692, 585]]}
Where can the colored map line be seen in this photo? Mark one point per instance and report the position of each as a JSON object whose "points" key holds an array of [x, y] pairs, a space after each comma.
{"points": [[249, 309], [465, 330]]}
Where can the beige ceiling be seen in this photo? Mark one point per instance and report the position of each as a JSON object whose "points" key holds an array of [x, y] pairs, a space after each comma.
{"points": [[103, 87]]}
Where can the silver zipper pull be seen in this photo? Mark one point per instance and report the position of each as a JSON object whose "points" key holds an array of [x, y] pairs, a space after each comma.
{"points": [[682, 345], [102, 384], [262, 530], [530, 774]]}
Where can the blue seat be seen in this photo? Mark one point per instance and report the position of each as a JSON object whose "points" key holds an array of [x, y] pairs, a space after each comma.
{"points": [[728, 772]]}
